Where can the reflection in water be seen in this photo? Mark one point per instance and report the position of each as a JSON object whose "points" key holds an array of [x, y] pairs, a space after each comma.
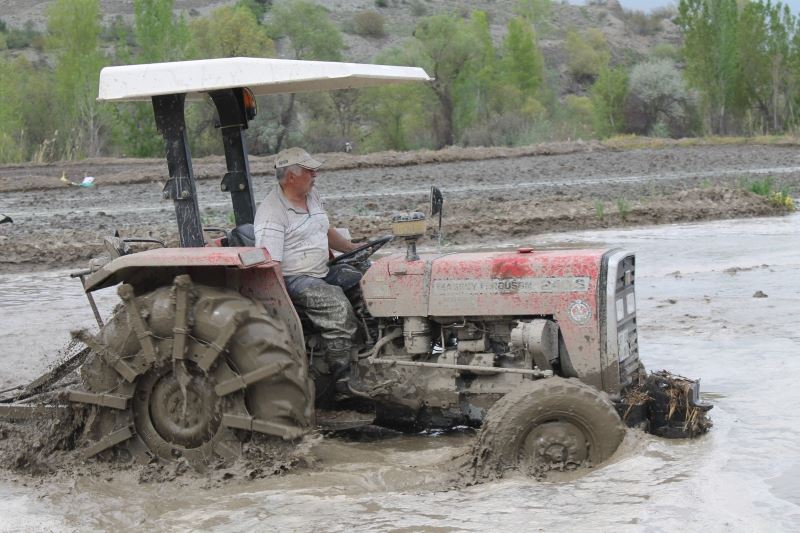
{"points": [[697, 316]]}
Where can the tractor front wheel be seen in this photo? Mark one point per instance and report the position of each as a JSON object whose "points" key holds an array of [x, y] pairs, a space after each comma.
{"points": [[549, 424]]}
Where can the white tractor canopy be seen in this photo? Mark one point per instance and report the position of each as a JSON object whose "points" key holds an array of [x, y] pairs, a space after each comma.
{"points": [[262, 76]]}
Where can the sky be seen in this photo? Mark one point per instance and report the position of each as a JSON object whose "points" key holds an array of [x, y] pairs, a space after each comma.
{"points": [[647, 5]]}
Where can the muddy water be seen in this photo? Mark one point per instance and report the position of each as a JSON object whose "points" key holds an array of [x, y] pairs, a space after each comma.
{"points": [[697, 316]]}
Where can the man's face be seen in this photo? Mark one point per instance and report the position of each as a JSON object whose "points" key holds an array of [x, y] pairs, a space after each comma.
{"points": [[304, 179]]}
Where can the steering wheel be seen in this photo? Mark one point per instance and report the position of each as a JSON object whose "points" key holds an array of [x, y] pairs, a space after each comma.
{"points": [[370, 247]]}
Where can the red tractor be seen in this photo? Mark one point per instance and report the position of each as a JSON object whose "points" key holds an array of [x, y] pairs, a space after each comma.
{"points": [[537, 347]]}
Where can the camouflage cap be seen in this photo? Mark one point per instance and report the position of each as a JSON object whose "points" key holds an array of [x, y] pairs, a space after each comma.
{"points": [[296, 156]]}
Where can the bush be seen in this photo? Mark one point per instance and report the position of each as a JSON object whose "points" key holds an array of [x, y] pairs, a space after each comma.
{"points": [[587, 55], [766, 188], [370, 24], [381, 3], [623, 208], [641, 23], [508, 129], [21, 38], [657, 94], [418, 9], [665, 51]]}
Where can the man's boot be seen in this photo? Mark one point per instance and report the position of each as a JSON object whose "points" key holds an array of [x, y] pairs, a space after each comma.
{"points": [[338, 357]]}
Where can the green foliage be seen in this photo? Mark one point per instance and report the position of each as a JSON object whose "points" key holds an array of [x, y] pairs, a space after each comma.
{"points": [[608, 99], [743, 59], [159, 36], [536, 12], [623, 208], [230, 32], [766, 188], [18, 38], [641, 23], [119, 33], [443, 45], [310, 32], [369, 23], [258, 7], [600, 209], [73, 38], [587, 54], [392, 126], [11, 118], [522, 65], [579, 114], [665, 51], [761, 187], [381, 3]]}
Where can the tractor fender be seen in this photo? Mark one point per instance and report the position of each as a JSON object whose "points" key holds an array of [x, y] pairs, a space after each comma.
{"points": [[127, 267], [249, 270]]}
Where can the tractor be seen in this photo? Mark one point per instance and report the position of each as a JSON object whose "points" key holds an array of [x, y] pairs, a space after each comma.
{"points": [[538, 348]]}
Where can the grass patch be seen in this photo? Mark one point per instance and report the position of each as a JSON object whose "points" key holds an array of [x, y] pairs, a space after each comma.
{"points": [[766, 188], [623, 208], [600, 209]]}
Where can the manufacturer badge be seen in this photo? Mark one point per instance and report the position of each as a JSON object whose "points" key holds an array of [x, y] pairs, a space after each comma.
{"points": [[580, 312]]}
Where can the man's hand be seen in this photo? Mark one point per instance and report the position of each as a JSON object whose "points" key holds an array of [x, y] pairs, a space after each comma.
{"points": [[338, 242]]}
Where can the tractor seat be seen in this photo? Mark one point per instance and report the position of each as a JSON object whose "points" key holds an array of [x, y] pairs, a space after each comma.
{"points": [[244, 235]]}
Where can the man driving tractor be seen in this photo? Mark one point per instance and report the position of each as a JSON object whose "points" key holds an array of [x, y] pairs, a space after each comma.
{"points": [[292, 224]]}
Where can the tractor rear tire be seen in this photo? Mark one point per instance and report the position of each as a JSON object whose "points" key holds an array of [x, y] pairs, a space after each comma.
{"points": [[549, 424], [201, 369]]}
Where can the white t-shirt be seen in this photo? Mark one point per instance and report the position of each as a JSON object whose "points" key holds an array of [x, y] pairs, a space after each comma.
{"points": [[296, 238]]}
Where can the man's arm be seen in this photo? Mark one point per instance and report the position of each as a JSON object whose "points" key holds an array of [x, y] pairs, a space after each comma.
{"points": [[338, 242]]}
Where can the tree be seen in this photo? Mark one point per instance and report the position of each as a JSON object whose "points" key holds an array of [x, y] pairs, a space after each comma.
{"points": [[711, 46], [587, 54], [230, 31], [73, 34], [307, 33], [608, 100], [657, 95], [160, 36], [11, 118], [443, 45], [522, 64], [258, 7], [484, 77]]}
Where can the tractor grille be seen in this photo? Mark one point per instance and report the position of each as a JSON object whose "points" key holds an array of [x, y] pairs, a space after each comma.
{"points": [[625, 311]]}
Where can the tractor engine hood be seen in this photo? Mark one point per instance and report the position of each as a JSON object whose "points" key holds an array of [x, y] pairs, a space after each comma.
{"points": [[521, 282]]}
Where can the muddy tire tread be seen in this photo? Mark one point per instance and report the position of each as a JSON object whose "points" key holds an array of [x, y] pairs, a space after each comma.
{"points": [[259, 340], [505, 423]]}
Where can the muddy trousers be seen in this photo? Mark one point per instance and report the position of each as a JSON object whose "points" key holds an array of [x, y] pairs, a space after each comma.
{"points": [[324, 302]]}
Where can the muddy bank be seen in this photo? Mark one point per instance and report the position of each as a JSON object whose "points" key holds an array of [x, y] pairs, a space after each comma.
{"points": [[118, 171], [578, 187]]}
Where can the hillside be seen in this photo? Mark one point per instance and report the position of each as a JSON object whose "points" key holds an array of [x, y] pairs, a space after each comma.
{"points": [[623, 31]]}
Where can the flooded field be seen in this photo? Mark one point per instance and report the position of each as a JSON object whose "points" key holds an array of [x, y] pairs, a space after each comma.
{"points": [[697, 316]]}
